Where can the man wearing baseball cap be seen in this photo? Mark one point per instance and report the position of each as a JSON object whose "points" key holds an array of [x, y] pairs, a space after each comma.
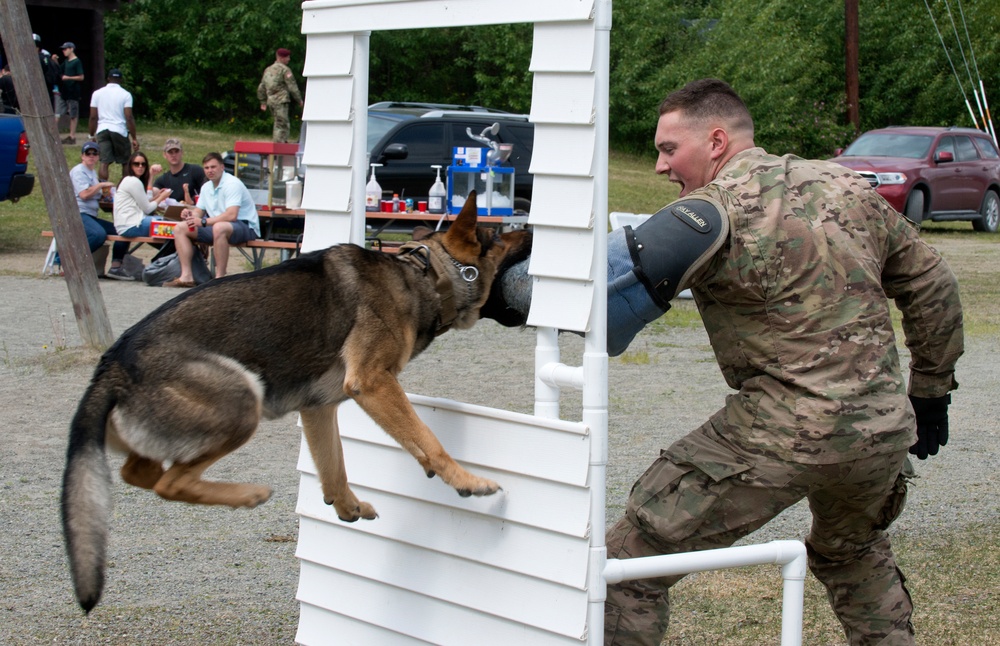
{"points": [[70, 90], [88, 187], [184, 180], [276, 90], [112, 124]]}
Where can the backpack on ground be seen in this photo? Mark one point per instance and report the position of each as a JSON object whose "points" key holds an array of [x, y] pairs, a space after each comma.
{"points": [[168, 267]]}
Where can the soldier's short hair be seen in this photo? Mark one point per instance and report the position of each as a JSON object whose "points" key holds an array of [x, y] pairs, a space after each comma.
{"points": [[709, 98]]}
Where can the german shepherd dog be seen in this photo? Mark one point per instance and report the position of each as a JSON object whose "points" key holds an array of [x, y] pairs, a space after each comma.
{"points": [[190, 382]]}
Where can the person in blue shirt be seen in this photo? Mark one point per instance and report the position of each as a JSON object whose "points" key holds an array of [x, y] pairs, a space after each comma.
{"points": [[224, 215]]}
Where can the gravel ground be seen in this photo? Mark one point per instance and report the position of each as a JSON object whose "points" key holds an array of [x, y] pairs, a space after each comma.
{"points": [[186, 574]]}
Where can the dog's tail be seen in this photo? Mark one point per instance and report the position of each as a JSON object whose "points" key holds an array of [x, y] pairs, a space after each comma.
{"points": [[86, 495]]}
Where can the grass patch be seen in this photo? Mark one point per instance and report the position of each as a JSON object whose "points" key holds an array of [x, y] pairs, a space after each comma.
{"points": [[950, 575], [21, 222], [639, 357], [634, 186]]}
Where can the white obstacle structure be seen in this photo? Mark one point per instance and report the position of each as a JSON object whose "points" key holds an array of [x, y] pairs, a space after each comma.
{"points": [[527, 565]]}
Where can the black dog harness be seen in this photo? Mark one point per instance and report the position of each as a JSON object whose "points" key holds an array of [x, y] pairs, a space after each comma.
{"points": [[421, 255]]}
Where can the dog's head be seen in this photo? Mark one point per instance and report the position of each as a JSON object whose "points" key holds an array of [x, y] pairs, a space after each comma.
{"points": [[479, 247], [510, 293]]}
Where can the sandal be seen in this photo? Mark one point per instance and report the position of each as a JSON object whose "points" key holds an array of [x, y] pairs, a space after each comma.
{"points": [[177, 282]]}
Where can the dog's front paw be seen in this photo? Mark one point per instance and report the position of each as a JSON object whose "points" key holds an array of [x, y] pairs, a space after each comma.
{"points": [[355, 513], [481, 487]]}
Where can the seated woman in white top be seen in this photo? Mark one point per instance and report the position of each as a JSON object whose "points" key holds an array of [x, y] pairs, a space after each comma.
{"points": [[133, 205]]}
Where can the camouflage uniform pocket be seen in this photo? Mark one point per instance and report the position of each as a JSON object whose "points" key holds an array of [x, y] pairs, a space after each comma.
{"points": [[677, 494], [896, 500]]}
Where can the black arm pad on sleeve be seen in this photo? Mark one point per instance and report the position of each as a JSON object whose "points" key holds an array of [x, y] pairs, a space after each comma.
{"points": [[676, 241]]}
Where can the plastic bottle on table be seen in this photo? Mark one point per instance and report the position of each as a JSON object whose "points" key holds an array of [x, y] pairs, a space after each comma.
{"points": [[373, 192], [437, 196]]}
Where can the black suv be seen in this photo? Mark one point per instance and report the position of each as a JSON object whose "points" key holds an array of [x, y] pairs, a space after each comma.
{"points": [[407, 139]]}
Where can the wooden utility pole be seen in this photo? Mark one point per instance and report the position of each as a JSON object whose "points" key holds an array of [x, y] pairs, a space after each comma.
{"points": [[851, 59], [39, 122]]}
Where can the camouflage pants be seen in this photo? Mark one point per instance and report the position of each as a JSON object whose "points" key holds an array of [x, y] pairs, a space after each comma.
{"points": [[703, 493], [280, 133]]}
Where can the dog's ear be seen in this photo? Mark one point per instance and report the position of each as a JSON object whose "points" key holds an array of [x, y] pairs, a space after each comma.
{"points": [[421, 232], [461, 238]]}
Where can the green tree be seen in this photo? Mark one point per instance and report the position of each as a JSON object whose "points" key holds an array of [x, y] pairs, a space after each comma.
{"points": [[647, 38], [202, 62], [905, 75]]}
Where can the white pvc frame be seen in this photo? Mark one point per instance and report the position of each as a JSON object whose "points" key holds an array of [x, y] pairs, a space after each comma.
{"points": [[551, 375]]}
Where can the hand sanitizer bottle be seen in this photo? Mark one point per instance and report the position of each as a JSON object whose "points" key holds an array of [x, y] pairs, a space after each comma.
{"points": [[373, 193], [437, 196]]}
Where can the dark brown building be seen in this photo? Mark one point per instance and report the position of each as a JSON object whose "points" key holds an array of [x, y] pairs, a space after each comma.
{"points": [[80, 22]]}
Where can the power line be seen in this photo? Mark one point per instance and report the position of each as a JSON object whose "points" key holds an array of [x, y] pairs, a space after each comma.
{"points": [[948, 56]]}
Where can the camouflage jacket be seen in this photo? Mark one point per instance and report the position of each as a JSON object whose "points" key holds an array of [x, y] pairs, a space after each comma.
{"points": [[278, 86], [796, 307]]}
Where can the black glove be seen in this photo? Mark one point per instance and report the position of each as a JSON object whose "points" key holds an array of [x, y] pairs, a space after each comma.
{"points": [[932, 424]]}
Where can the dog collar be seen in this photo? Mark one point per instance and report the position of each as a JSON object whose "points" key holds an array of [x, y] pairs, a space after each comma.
{"points": [[423, 257]]}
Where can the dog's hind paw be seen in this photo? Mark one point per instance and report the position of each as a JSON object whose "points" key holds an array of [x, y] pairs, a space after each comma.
{"points": [[255, 495]]}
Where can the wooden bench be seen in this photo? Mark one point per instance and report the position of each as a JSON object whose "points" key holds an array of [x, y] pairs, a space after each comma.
{"points": [[253, 251]]}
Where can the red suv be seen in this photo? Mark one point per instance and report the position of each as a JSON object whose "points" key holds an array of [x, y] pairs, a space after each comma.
{"points": [[936, 174]]}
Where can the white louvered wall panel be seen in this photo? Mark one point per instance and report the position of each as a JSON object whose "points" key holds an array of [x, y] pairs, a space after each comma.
{"points": [[327, 113], [436, 568], [563, 106], [329, 55], [521, 554], [334, 143]]}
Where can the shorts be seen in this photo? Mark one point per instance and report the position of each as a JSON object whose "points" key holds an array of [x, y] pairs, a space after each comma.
{"points": [[114, 147], [69, 107], [241, 233]]}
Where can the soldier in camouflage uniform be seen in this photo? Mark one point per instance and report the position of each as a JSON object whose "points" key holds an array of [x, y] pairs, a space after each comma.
{"points": [[276, 90], [795, 303]]}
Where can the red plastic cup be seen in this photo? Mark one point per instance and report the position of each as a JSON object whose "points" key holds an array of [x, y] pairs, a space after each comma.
{"points": [[422, 206]]}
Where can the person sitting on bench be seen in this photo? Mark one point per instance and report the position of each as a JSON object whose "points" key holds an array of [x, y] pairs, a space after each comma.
{"points": [[224, 215], [133, 206]]}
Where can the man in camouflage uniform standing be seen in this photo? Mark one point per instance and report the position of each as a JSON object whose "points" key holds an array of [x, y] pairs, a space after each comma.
{"points": [[795, 303], [276, 90]]}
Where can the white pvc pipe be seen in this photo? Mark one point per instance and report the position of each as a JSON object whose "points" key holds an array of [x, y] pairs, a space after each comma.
{"points": [[595, 357], [560, 375], [546, 353], [790, 554], [359, 158]]}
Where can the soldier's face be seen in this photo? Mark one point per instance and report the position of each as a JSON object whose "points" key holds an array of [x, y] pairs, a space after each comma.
{"points": [[685, 151]]}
